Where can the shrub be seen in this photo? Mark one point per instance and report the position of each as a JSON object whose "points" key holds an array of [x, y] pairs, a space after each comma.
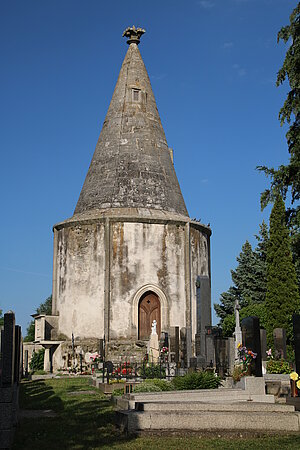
{"points": [[153, 371], [162, 384], [37, 360], [278, 366], [196, 380], [147, 387]]}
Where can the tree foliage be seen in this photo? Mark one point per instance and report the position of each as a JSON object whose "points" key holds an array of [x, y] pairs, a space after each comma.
{"points": [[257, 310], [287, 177], [37, 360], [282, 297], [1, 317], [44, 308], [249, 278]]}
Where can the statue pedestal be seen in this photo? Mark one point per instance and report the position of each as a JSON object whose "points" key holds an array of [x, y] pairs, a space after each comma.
{"points": [[153, 348]]}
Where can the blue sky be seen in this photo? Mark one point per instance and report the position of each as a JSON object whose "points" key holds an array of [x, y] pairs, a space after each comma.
{"points": [[212, 64]]}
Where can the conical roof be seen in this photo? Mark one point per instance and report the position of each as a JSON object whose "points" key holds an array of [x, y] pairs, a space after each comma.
{"points": [[132, 165]]}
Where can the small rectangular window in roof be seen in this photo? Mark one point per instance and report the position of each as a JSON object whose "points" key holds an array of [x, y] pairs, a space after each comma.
{"points": [[135, 95]]}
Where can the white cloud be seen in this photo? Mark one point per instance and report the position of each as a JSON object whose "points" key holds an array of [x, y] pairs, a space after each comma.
{"points": [[160, 76], [206, 4], [240, 70], [227, 45]]}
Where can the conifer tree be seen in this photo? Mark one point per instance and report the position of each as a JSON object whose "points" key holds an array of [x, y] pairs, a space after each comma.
{"points": [[282, 297], [249, 278]]}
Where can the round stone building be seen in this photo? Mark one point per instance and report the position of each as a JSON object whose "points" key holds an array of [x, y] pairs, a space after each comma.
{"points": [[130, 253]]}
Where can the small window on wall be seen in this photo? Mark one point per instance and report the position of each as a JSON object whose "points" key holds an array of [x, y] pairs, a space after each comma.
{"points": [[135, 95]]}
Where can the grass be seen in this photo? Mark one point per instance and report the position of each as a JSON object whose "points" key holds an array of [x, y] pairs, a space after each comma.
{"points": [[87, 421]]}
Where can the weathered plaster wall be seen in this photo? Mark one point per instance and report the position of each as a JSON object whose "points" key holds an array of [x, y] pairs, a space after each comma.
{"points": [[142, 254], [79, 277], [200, 266], [133, 254]]}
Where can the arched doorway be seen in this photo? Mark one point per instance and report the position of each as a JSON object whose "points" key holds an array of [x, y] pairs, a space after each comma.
{"points": [[149, 310]]}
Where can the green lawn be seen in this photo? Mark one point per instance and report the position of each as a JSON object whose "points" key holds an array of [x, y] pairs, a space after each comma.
{"points": [[87, 421]]}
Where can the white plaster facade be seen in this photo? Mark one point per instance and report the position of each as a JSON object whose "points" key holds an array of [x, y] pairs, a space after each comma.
{"points": [[102, 267]]}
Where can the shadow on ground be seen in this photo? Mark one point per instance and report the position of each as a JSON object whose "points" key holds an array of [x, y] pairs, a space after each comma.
{"points": [[82, 421]]}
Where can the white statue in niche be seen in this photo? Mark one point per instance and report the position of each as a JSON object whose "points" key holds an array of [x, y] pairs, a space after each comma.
{"points": [[153, 326]]}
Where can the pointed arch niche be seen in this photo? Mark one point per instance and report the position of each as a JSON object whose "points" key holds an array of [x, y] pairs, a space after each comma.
{"points": [[162, 301]]}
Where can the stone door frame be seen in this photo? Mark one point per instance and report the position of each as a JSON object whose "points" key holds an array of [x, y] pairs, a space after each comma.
{"points": [[164, 307]]}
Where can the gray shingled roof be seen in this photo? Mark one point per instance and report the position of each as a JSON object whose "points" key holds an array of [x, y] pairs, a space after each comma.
{"points": [[132, 166]]}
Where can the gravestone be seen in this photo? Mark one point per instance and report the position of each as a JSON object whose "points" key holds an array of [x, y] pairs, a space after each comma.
{"points": [[221, 351], [231, 353], [210, 347], [17, 360], [279, 336], [26, 363], [8, 352], [183, 360], [174, 342], [188, 345], [203, 299], [296, 330], [251, 340], [263, 344], [198, 344]]}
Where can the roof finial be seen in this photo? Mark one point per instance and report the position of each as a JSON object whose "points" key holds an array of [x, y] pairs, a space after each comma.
{"points": [[133, 34]]}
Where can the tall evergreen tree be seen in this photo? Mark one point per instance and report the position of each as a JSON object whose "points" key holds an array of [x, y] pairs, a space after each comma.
{"points": [[287, 177], [249, 278], [282, 298]]}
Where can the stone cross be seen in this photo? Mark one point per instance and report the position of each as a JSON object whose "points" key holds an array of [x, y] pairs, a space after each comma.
{"points": [[153, 326], [238, 331]]}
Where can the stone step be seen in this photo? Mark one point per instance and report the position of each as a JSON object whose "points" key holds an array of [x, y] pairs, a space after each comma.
{"points": [[203, 406], [218, 396], [201, 396], [267, 421]]}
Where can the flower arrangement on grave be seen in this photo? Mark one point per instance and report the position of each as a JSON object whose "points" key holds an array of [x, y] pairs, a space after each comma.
{"points": [[295, 383], [164, 351], [245, 358], [124, 369]]}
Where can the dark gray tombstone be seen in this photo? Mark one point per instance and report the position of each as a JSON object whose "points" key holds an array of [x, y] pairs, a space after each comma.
{"points": [[188, 345], [17, 360], [203, 298], [193, 363], [8, 349], [296, 329], [174, 342], [26, 363], [183, 360], [279, 336], [263, 344], [251, 340], [198, 343], [221, 352]]}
